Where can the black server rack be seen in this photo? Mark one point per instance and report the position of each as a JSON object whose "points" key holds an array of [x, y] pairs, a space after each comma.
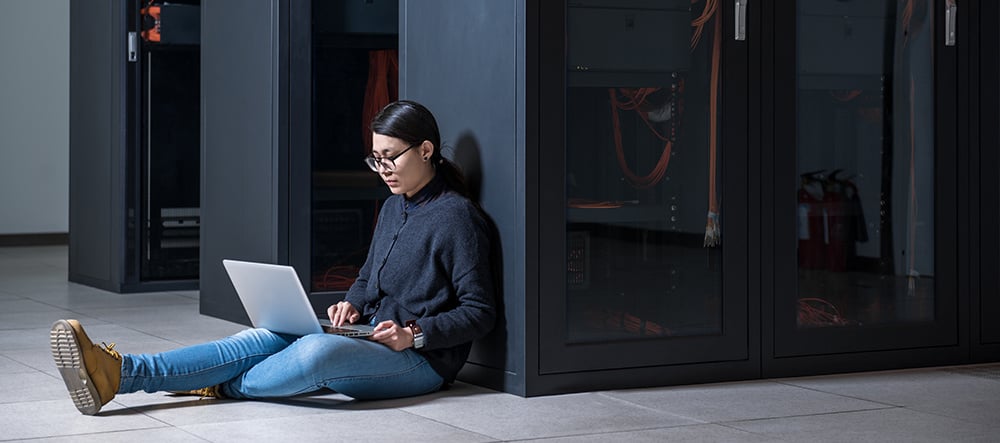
{"points": [[135, 144]]}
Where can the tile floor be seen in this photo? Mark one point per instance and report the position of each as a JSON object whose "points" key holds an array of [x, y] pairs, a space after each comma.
{"points": [[928, 405]]}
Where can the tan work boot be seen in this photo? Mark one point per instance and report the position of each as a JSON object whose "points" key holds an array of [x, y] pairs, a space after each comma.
{"points": [[92, 373], [209, 392]]}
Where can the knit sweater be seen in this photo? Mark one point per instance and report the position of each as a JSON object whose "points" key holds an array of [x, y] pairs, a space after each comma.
{"points": [[429, 262]]}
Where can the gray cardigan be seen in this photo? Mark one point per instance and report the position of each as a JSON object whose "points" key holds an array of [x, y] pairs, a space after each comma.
{"points": [[429, 262]]}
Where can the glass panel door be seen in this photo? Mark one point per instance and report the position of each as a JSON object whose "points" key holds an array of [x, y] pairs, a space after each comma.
{"points": [[643, 267], [355, 72], [169, 214], [870, 223], [989, 164]]}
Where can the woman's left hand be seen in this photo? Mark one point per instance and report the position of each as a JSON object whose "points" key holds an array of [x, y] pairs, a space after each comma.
{"points": [[392, 335]]}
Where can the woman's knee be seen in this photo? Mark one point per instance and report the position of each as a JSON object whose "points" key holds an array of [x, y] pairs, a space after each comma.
{"points": [[324, 342], [262, 339], [318, 350]]}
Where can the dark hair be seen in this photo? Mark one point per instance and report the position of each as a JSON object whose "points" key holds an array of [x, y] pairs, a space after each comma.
{"points": [[413, 123]]}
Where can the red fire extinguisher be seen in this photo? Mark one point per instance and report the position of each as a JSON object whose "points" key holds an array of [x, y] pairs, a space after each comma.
{"points": [[811, 222], [837, 213]]}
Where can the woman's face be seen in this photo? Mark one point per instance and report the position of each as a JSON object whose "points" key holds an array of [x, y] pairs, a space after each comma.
{"points": [[412, 168]]}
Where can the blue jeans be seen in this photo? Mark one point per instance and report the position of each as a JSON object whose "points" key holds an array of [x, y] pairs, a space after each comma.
{"points": [[257, 363]]}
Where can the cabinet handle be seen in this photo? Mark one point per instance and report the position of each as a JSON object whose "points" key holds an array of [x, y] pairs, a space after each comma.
{"points": [[741, 20], [950, 14], [133, 47]]}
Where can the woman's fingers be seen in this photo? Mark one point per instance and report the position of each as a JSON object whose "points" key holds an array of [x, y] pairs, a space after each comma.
{"points": [[392, 335], [342, 312]]}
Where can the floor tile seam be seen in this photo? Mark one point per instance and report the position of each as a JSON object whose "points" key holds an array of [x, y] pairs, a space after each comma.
{"points": [[86, 434], [918, 409], [117, 305], [816, 414], [127, 328], [647, 408], [146, 410], [76, 313], [772, 437], [41, 370], [450, 425], [138, 411], [852, 397], [46, 304], [621, 431]]}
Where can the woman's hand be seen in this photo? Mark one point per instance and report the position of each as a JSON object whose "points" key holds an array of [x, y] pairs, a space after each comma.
{"points": [[342, 312], [392, 335]]}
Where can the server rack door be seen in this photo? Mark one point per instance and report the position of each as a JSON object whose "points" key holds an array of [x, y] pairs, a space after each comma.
{"points": [[99, 71], [864, 180], [989, 181], [642, 186], [354, 72], [169, 148]]}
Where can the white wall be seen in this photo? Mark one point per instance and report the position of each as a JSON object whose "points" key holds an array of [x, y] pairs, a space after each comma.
{"points": [[34, 116]]}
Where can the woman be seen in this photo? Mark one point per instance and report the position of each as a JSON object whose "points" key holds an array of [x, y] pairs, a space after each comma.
{"points": [[425, 286]]}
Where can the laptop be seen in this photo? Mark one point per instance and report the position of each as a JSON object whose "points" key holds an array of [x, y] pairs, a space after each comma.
{"points": [[275, 300]]}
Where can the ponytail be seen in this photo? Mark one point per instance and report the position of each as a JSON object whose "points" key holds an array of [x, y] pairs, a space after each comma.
{"points": [[451, 174]]}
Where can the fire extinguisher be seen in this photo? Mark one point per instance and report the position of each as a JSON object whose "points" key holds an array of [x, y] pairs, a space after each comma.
{"points": [[838, 234], [811, 222]]}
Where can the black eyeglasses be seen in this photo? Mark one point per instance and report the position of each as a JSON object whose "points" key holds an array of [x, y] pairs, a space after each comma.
{"points": [[388, 163]]}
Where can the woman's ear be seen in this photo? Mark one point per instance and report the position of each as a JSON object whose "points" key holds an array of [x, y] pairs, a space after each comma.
{"points": [[427, 150]]}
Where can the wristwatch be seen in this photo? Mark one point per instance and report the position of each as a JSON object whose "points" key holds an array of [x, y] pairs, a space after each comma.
{"points": [[418, 334]]}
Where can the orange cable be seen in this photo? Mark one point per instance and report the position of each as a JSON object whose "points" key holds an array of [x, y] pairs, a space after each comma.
{"points": [[381, 89], [713, 231], [660, 170]]}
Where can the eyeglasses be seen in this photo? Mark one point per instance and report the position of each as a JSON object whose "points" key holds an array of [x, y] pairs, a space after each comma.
{"points": [[388, 163]]}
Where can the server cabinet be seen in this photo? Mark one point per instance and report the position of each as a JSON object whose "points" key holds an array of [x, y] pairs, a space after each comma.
{"points": [[643, 220], [284, 140], [134, 149], [622, 144], [985, 216], [865, 173]]}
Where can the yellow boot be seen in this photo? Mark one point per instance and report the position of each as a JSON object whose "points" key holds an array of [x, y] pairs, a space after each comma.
{"points": [[92, 373], [209, 392]]}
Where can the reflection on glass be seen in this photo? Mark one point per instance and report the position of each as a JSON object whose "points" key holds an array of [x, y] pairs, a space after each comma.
{"points": [[643, 213], [170, 214], [355, 74], [865, 160]]}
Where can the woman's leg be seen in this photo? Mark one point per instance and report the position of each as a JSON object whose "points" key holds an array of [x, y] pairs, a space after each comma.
{"points": [[355, 367], [199, 366]]}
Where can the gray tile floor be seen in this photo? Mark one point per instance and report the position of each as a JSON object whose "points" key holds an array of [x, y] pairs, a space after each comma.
{"points": [[932, 405]]}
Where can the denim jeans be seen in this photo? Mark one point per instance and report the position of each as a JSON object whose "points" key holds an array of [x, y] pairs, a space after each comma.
{"points": [[257, 363]]}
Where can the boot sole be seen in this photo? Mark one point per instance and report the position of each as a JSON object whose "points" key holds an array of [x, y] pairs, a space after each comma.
{"points": [[69, 360]]}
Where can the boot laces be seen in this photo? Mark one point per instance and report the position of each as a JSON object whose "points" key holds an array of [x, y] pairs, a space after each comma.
{"points": [[110, 350]]}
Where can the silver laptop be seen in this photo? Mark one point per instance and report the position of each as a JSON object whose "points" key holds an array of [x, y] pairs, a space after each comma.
{"points": [[274, 299]]}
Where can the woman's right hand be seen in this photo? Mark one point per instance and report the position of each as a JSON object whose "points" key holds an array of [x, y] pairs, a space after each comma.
{"points": [[342, 312]]}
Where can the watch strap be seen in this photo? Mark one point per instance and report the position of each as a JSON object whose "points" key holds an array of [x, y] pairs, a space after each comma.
{"points": [[418, 334]]}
